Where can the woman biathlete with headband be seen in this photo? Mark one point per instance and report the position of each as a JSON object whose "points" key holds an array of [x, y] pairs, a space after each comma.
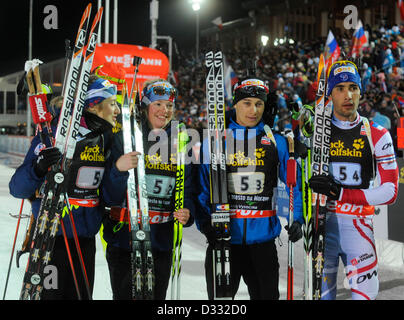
{"points": [[84, 188], [158, 99]]}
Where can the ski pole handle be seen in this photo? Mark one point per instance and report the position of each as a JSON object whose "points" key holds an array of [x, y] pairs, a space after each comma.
{"points": [[291, 168], [136, 63]]}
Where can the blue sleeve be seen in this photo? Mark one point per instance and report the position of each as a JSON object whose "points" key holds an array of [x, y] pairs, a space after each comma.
{"points": [[114, 186], [24, 181], [283, 155], [188, 192], [202, 185]]}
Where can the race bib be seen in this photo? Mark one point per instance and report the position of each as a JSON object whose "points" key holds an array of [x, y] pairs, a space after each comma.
{"points": [[347, 173], [89, 177], [160, 186], [246, 182]]}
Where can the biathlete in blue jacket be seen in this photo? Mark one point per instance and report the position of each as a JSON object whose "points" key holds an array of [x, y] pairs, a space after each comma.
{"points": [[251, 177], [86, 179], [158, 99]]}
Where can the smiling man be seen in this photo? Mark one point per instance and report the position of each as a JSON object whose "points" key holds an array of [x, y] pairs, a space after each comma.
{"points": [[254, 155], [360, 152]]}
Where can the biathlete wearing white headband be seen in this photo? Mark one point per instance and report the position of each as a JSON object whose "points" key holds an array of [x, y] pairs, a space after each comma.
{"points": [[250, 88], [160, 90], [98, 91]]}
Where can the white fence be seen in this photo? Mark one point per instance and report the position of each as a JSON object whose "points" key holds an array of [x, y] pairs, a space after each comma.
{"points": [[17, 145]]}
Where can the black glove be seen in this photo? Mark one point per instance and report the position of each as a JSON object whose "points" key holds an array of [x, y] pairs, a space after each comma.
{"points": [[325, 184], [46, 158], [295, 231], [300, 149], [209, 232]]}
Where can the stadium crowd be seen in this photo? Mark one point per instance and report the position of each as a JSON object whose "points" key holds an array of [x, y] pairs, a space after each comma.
{"points": [[291, 70]]}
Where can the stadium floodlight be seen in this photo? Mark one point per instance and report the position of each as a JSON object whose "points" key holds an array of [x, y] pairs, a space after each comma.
{"points": [[264, 40], [196, 4]]}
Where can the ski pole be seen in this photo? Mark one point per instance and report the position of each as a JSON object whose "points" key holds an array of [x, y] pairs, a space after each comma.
{"points": [[182, 139], [136, 63], [291, 182], [78, 248], [12, 250], [69, 255]]}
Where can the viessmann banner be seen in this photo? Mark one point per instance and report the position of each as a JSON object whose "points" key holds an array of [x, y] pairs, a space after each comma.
{"points": [[154, 64]]}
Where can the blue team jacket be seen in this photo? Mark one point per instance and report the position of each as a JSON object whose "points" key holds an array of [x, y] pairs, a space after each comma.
{"points": [[24, 183], [250, 230]]}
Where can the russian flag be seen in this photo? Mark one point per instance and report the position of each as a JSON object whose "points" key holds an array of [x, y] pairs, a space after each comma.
{"points": [[400, 4], [358, 40], [230, 79], [332, 49], [400, 101], [218, 22]]}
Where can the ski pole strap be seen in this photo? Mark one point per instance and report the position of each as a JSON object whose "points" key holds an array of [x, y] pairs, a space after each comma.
{"points": [[291, 168], [39, 111], [269, 134], [291, 171]]}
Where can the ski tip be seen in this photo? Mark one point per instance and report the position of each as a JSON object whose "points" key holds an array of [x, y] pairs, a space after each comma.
{"points": [[86, 14], [97, 18], [320, 67]]}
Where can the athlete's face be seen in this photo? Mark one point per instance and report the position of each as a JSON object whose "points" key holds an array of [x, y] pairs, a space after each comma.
{"points": [[345, 97], [249, 111], [108, 110], [159, 113]]}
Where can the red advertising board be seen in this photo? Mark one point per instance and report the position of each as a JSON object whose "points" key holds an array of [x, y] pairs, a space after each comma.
{"points": [[154, 64]]}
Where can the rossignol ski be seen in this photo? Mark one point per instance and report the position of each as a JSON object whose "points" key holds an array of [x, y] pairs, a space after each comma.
{"points": [[141, 252], [218, 180], [54, 189], [182, 139], [320, 165]]}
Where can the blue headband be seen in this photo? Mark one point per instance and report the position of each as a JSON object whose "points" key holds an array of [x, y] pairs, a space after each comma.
{"points": [[98, 91], [161, 90], [343, 71]]}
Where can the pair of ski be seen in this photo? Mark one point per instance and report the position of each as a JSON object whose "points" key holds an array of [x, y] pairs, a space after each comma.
{"points": [[142, 264], [220, 213], [54, 189], [314, 205]]}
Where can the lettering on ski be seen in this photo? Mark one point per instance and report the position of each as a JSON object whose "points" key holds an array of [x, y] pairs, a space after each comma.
{"points": [[54, 190], [182, 139], [218, 180], [82, 86], [320, 165], [72, 80]]}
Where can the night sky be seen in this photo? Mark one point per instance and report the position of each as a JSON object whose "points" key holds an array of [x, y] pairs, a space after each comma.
{"points": [[176, 18]]}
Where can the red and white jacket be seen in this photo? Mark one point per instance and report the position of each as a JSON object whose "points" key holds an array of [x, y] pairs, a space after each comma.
{"points": [[384, 191]]}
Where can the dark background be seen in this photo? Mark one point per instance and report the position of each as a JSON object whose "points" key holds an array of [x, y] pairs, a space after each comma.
{"points": [[176, 18]]}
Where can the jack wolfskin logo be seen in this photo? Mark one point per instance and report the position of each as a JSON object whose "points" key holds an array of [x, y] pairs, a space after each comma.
{"points": [[259, 153], [239, 158], [358, 144], [338, 149]]}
